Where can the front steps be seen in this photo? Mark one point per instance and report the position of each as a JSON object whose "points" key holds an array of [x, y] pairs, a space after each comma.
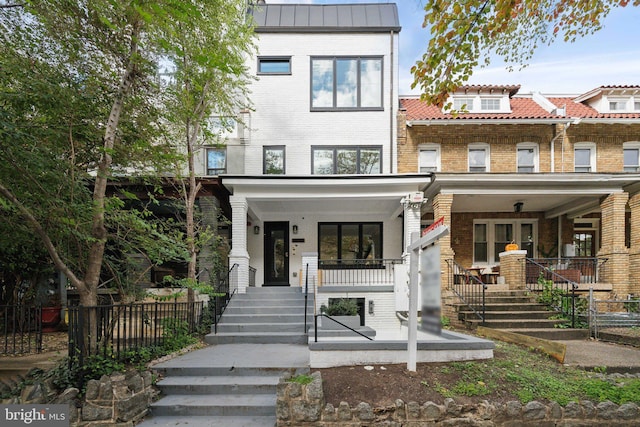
{"points": [[233, 383], [264, 316], [518, 311]]}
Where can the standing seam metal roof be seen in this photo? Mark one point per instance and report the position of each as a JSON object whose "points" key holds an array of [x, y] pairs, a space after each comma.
{"points": [[326, 18]]}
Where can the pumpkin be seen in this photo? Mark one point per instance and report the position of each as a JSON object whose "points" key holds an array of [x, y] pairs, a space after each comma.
{"points": [[511, 247]]}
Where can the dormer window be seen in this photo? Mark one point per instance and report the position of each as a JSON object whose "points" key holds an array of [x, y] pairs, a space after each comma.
{"points": [[636, 105], [489, 104], [463, 104], [617, 104], [480, 104]]}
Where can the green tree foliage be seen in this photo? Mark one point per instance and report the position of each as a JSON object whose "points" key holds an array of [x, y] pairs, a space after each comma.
{"points": [[464, 33]]}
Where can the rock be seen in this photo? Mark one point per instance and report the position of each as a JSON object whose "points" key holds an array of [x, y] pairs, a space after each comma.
{"points": [[534, 410], [555, 411], [282, 410], [573, 410], [344, 412], [606, 410], [314, 389], [329, 413], [588, 408], [413, 410], [628, 411], [431, 411], [67, 396], [365, 411], [513, 408], [93, 390], [131, 408], [91, 412], [452, 408]]}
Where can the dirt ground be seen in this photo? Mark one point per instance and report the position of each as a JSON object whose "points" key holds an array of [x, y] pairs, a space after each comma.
{"points": [[383, 384]]}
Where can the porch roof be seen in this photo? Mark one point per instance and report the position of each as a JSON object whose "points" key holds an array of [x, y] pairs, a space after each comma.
{"points": [[554, 194], [369, 196]]}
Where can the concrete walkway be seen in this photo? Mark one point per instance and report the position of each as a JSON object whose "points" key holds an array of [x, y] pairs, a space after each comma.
{"points": [[590, 354]]}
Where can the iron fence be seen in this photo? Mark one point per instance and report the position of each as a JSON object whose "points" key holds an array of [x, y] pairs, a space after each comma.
{"points": [[468, 287], [613, 313], [579, 270], [21, 328], [357, 272]]}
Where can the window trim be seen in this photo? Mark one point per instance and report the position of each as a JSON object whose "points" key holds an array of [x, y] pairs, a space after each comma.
{"points": [[487, 156], [335, 83], [273, 59], [491, 238], [631, 145], [360, 225], [536, 155], [206, 161], [621, 101], [430, 147], [335, 149], [592, 155], [283, 148]]}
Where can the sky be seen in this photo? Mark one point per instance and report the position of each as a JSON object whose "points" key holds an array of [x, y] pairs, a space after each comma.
{"points": [[611, 56]]}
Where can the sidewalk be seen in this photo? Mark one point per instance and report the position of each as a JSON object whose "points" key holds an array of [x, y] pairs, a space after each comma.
{"points": [[590, 354]]}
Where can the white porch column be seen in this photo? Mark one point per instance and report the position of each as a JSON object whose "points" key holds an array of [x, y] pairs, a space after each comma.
{"points": [[412, 215], [311, 259], [239, 254]]}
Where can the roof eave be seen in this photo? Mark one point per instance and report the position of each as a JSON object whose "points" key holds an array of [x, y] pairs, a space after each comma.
{"points": [[442, 122]]}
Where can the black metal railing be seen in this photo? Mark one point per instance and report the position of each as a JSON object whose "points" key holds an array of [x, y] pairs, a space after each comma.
{"points": [[555, 287], [21, 328], [357, 272], [226, 289], [468, 287], [117, 330], [315, 326], [580, 270], [252, 276]]}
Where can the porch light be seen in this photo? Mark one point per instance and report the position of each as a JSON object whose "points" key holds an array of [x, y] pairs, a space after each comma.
{"points": [[295, 229], [371, 306], [517, 207], [256, 229]]}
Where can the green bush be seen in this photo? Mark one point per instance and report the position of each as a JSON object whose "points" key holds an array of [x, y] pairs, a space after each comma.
{"points": [[341, 307]]}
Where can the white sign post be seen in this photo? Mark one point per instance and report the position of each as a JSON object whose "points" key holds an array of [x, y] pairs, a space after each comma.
{"points": [[429, 272]]}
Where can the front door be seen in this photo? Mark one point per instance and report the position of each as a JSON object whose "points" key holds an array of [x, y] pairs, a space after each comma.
{"points": [[276, 254]]}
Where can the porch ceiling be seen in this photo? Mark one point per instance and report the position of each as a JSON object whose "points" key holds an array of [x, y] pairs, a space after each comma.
{"points": [[553, 194]]}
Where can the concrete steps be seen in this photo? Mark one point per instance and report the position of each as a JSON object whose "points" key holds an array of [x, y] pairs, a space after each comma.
{"points": [[233, 383]]}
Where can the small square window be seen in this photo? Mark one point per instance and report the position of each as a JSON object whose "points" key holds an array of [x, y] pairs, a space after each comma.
{"points": [[617, 105], [490, 104], [632, 159], [216, 161], [274, 160], [274, 65]]}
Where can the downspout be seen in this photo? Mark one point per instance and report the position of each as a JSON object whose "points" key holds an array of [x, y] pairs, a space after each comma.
{"points": [[391, 117]]}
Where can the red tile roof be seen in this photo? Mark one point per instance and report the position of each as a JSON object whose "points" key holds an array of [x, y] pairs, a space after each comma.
{"points": [[521, 108], [584, 111]]}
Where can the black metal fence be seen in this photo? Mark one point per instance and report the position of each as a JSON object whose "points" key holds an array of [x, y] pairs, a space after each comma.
{"points": [[579, 270], [468, 287], [118, 330], [357, 272], [21, 328]]}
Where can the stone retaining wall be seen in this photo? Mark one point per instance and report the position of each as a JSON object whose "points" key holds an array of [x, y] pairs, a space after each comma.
{"points": [[304, 405], [120, 399]]}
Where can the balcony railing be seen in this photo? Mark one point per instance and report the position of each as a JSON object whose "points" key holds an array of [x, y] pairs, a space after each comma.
{"points": [[579, 270], [357, 272]]}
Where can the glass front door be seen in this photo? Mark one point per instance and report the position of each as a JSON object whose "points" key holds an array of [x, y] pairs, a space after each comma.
{"points": [[276, 254]]}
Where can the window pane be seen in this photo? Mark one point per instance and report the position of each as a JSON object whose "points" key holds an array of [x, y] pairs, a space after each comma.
{"points": [[274, 66], [322, 83], [350, 242], [274, 160], [490, 104], [463, 103], [322, 162], [526, 239], [328, 241], [526, 160], [480, 243], [369, 161], [631, 160], [372, 241], [347, 162], [371, 83], [216, 161], [477, 160], [428, 160], [582, 159], [503, 236], [346, 83]]}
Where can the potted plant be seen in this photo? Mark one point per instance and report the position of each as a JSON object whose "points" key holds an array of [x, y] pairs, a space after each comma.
{"points": [[343, 310], [50, 314]]}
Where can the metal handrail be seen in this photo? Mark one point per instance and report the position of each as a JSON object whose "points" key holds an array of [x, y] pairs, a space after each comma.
{"points": [[228, 294], [306, 297], [315, 322], [467, 290], [558, 281]]}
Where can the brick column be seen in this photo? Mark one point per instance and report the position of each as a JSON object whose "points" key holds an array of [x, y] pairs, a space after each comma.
{"points": [[239, 254], [442, 209], [616, 270], [512, 268], [634, 249]]}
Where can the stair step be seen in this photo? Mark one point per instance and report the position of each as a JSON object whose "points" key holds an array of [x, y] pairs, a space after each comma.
{"points": [[509, 300], [516, 323], [264, 318], [220, 371], [260, 300], [227, 327], [213, 385], [506, 315], [209, 421], [507, 307], [275, 309], [256, 338], [220, 405], [274, 290], [554, 334]]}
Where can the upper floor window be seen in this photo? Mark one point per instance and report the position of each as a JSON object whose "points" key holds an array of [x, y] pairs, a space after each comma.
{"points": [[274, 160], [631, 156], [479, 104], [346, 160], [463, 104], [490, 104], [617, 104], [584, 159], [339, 83], [478, 158], [429, 158], [527, 158], [216, 161], [223, 127], [636, 105], [274, 65]]}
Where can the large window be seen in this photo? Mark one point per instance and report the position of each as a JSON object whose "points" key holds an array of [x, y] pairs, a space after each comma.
{"points": [[584, 159], [274, 160], [491, 236], [478, 158], [216, 161], [631, 157], [527, 158], [490, 104], [463, 104], [346, 160], [350, 241], [346, 83], [429, 158], [274, 65]]}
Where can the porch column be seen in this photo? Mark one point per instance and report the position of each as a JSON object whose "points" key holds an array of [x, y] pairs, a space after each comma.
{"points": [[616, 269], [310, 259], [442, 209], [512, 268], [634, 250], [412, 217], [239, 254]]}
